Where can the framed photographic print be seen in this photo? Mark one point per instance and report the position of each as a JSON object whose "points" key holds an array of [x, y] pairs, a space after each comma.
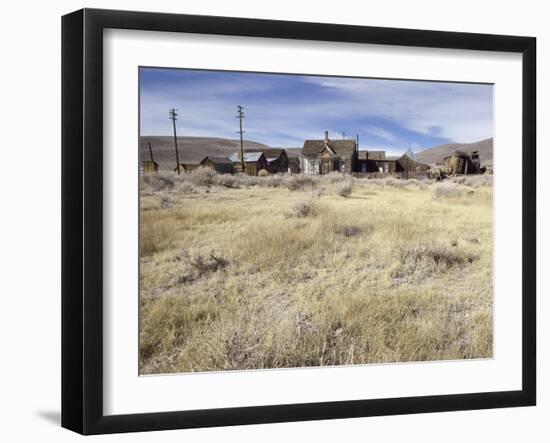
{"points": [[270, 221]]}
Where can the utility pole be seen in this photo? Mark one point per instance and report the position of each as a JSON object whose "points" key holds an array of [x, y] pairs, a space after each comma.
{"points": [[173, 114], [240, 116], [151, 152], [344, 134], [357, 141]]}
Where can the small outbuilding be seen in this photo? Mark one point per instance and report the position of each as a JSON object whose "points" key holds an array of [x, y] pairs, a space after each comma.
{"points": [[223, 165], [253, 161], [277, 158], [149, 167]]}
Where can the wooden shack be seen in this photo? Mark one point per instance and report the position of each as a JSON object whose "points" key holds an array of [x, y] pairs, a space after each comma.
{"points": [[253, 161], [402, 165], [277, 158], [370, 161], [149, 167], [294, 165], [223, 165]]}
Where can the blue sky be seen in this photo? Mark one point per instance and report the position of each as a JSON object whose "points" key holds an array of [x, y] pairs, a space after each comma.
{"points": [[284, 110]]}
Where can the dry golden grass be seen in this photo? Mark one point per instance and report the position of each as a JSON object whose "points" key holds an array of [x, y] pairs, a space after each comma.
{"points": [[232, 278]]}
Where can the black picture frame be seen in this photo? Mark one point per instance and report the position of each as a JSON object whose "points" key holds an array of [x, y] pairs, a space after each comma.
{"points": [[82, 218]]}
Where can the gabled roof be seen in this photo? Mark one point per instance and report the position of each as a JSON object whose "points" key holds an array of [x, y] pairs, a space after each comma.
{"points": [[375, 155], [340, 147], [268, 152], [248, 156], [217, 160]]}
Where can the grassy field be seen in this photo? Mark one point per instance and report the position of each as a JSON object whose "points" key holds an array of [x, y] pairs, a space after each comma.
{"points": [[270, 272]]}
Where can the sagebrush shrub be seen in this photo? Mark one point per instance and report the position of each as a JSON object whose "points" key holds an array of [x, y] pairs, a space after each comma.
{"points": [[344, 189], [303, 208], [446, 190], [202, 176]]}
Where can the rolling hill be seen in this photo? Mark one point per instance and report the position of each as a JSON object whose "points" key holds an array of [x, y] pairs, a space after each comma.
{"points": [[191, 149], [438, 153]]}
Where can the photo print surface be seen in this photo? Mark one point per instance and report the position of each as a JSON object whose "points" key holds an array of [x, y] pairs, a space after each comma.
{"points": [[291, 221]]}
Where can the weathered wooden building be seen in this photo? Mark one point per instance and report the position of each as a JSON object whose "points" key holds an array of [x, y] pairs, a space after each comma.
{"points": [[402, 165], [149, 167], [253, 162], [277, 159], [325, 156], [379, 162], [294, 165], [223, 165], [368, 161]]}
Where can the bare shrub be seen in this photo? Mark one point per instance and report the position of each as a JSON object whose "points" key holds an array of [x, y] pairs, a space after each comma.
{"points": [[458, 180], [303, 208], [263, 173], [425, 259], [187, 188], [334, 177], [226, 180], [348, 230], [202, 176], [446, 190], [476, 181], [296, 182], [166, 201], [198, 265], [275, 181], [344, 189], [394, 182], [158, 182]]}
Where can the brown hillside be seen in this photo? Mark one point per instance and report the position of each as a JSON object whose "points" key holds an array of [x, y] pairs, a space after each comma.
{"points": [[438, 153], [191, 149]]}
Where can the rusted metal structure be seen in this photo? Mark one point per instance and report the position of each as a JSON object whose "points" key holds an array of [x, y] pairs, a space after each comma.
{"points": [[461, 162]]}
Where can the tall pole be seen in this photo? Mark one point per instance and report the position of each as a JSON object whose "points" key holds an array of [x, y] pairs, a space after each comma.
{"points": [[240, 116], [173, 115], [151, 152]]}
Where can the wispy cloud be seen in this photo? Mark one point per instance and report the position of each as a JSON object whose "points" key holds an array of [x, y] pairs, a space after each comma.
{"points": [[283, 110], [381, 133]]}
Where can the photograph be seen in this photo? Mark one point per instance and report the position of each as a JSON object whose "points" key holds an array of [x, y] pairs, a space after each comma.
{"points": [[301, 220]]}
